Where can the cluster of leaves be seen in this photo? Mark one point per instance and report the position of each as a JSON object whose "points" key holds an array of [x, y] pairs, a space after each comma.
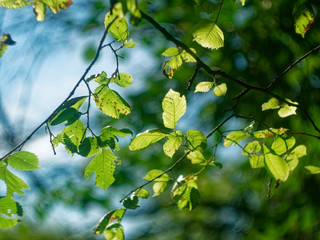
{"points": [[272, 149]]}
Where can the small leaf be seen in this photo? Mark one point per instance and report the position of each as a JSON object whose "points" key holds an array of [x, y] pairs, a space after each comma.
{"points": [[287, 110], [251, 147], [154, 174], [99, 78], [104, 166], [276, 165], [25, 161], [235, 137], [196, 157], [203, 86], [313, 169], [208, 34], [256, 161], [220, 90], [110, 102], [173, 143], [142, 193], [158, 188], [108, 219], [302, 21], [130, 44], [273, 103], [298, 152], [39, 9], [14, 4], [119, 27], [114, 232], [173, 107], [197, 141], [122, 79], [145, 139], [170, 52], [131, 202]]}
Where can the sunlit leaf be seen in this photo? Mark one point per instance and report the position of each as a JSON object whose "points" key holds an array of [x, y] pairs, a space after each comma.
{"points": [[196, 157], [287, 110], [173, 107], [14, 4], [122, 79], [57, 5], [197, 141], [256, 161], [273, 103], [313, 169], [89, 147], [118, 27], [173, 143], [39, 9], [208, 34], [220, 90], [103, 165], [142, 193], [251, 147], [7, 222], [297, 152], [113, 215], [23, 161], [170, 52], [235, 137], [276, 165], [99, 78], [302, 21], [110, 102], [203, 86], [130, 44], [114, 232], [145, 139], [14, 184], [152, 174], [158, 188], [292, 164]]}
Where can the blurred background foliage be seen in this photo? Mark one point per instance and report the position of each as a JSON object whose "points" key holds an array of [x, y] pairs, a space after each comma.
{"points": [[260, 43]]}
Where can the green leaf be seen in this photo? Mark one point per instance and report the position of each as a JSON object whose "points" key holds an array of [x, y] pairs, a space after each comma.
{"points": [[118, 28], [89, 147], [5, 41], [158, 188], [251, 147], [298, 152], [292, 164], [208, 34], [39, 9], [131, 202], [122, 79], [153, 175], [117, 132], [110, 102], [173, 143], [103, 165], [256, 161], [99, 78], [220, 90], [203, 86], [276, 165], [235, 137], [207, 6], [197, 141], [170, 52], [108, 219], [196, 157], [302, 21], [145, 139], [57, 5], [287, 110], [280, 146], [169, 67], [68, 114], [130, 44], [313, 169], [142, 193], [273, 103], [114, 232], [14, 184], [173, 107], [7, 222], [14, 4], [23, 161]]}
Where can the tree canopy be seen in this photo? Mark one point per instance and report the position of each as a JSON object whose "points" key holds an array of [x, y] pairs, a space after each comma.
{"points": [[218, 140]]}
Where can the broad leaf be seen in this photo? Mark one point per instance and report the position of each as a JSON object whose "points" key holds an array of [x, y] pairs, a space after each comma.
{"points": [[280, 146], [208, 34], [118, 28], [108, 219], [131, 202], [173, 143], [251, 147], [14, 4], [99, 78], [256, 161], [235, 137], [174, 108], [303, 19], [196, 157], [298, 152], [23, 161], [220, 90], [158, 188], [114, 232], [122, 79], [142, 193], [153, 175], [39, 9], [14, 184], [287, 110], [110, 102], [197, 141], [170, 52], [130, 44], [7, 222], [273, 103], [103, 165], [145, 139], [57, 5], [203, 86], [276, 165], [89, 147]]}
